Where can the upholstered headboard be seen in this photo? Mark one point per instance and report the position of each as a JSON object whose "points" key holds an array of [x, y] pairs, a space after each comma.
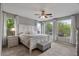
{"points": [[27, 29]]}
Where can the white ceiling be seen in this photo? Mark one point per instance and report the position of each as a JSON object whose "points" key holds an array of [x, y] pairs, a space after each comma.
{"points": [[29, 9]]}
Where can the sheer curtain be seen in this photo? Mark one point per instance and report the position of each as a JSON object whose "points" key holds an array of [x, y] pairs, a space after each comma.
{"points": [[16, 20], [73, 30]]}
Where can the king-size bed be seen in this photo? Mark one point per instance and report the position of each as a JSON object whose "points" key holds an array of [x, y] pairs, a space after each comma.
{"points": [[29, 37], [31, 40]]}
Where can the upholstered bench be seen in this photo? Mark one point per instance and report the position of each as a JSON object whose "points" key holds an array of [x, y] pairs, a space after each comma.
{"points": [[43, 46]]}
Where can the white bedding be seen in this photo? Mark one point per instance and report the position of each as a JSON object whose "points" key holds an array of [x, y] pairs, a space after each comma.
{"points": [[30, 40], [26, 38]]}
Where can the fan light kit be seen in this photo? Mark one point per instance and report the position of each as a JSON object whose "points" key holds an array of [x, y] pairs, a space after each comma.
{"points": [[43, 15]]}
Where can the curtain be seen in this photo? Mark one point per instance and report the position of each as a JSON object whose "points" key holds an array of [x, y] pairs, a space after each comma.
{"points": [[73, 30]]}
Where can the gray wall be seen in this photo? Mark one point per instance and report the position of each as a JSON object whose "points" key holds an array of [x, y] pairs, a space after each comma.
{"points": [[19, 20], [26, 21], [1, 23], [77, 21], [77, 26], [0, 29]]}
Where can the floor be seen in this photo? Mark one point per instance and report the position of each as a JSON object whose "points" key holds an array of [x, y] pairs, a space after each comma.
{"points": [[61, 49], [57, 48], [19, 50]]}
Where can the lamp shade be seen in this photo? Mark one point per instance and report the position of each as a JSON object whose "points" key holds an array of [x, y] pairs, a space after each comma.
{"points": [[13, 29]]}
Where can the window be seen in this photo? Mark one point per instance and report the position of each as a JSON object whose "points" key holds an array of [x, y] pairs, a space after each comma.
{"points": [[38, 27], [48, 27], [64, 28], [10, 27]]}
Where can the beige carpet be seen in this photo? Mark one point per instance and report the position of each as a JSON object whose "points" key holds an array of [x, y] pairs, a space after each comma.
{"points": [[61, 49], [57, 49]]}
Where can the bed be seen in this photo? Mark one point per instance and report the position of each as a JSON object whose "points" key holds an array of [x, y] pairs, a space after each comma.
{"points": [[30, 40], [29, 37]]}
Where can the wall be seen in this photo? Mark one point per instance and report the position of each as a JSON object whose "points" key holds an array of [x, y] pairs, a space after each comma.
{"points": [[1, 23], [77, 21], [77, 26], [26, 21], [0, 29]]}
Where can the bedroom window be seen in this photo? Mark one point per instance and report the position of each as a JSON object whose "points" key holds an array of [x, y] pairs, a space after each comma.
{"points": [[39, 28], [48, 27], [64, 28], [10, 27]]}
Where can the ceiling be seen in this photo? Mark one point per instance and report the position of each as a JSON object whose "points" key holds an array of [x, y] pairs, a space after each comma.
{"points": [[29, 9]]}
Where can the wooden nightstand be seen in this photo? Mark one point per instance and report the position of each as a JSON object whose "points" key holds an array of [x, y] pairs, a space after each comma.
{"points": [[12, 41]]}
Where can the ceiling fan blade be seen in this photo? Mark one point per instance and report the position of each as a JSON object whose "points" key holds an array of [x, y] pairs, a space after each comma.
{"points": [[46, 17], [48, 14]]}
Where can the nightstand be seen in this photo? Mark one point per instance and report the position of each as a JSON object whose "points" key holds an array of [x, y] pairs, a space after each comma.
{"points": [[12, 41]]}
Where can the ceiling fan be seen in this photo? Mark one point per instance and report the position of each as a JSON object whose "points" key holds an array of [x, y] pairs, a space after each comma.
{"points": [[44, 15]]}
